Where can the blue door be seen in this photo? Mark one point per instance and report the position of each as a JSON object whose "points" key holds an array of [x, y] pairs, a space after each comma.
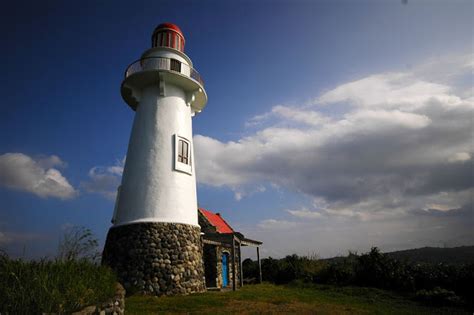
{"points": [[225, 270]]}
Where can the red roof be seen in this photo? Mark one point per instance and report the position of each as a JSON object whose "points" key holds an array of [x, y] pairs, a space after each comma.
{"points": [[217, 221], [169, 26]]}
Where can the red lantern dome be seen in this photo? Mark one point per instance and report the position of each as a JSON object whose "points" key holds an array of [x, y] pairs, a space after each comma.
{"points": [[168, 35]]}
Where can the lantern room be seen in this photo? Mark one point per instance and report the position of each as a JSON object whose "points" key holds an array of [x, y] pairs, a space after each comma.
{"points": [[168, 35]]}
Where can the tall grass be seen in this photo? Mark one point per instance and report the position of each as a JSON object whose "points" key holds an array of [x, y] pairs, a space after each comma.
{"points": [[52, 286]]}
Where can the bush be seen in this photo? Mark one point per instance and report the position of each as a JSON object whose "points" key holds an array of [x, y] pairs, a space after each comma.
{"points": [[450, 284], [464, 282], [339, 273], [438, 297], [282, 271], [34, 287], [270, 268], [250, 271], [378, 270]]}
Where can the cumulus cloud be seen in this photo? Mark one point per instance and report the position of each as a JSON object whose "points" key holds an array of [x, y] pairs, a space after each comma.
{"points": [[290, 114], [35, 175], [272, 224], [104, 180], [403, 142], [305, 213], [403, 91]]}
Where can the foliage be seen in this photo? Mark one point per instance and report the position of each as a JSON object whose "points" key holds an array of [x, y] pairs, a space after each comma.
{"points": [[438, 296], [250, 271], [375, 269], [281, 271], [340, 272], [428, 282], [78, 243]]}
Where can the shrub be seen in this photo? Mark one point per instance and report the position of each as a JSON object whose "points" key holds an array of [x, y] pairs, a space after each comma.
{"points": [[464, 282], [376, 269], [270, 268], [449, 283], [288, 269], [250, 270], [339, 273], [285, 270], [438, 297]]}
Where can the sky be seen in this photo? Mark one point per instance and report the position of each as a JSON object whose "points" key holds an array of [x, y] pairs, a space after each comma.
{"points": [[331, 126]]}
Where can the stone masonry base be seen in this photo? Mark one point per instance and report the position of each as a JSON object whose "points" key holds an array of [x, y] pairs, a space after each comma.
{"points": [[156, 258]]}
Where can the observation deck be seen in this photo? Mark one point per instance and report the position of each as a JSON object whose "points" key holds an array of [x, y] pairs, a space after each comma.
{"points": [[150, 70]]}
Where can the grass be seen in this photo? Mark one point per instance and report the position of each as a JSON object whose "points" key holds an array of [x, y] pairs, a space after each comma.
{"points": [[297, 299], [52, 286]]}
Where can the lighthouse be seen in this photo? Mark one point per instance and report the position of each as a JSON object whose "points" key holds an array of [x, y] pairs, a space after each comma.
{"points": [[154, 244]]}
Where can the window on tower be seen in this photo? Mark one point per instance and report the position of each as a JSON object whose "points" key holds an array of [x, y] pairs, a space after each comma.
{"points": [[175, 65], [183, 159], [183, 152]]}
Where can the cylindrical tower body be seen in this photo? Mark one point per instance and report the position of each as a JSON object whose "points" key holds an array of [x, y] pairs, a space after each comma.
{"points": [[154, 244], [152, 189]]}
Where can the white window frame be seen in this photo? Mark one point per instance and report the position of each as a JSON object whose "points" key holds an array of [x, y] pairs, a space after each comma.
{"points": [[180, 166]]}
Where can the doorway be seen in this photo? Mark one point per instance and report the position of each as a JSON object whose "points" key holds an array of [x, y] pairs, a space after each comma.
{"points": [[225, 270]]}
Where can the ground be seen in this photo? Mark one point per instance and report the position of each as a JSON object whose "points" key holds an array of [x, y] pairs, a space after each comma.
{"points": [[269, 299]]}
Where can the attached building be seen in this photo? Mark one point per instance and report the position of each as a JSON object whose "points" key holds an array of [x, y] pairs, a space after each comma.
{"points": [[222, 251]]}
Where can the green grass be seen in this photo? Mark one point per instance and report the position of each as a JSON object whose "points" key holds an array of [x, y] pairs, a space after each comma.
{"points": [[298, 299], [35, 287]]}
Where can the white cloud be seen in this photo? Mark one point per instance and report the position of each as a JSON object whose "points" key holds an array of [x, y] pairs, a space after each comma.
{"points": [[402, 140], [240, 193], [305, 213], [50, 161], [459, 157], [38, 176], [302, 116], [290, 114], [402, 91], [376, 120], [104, 180], [448, 69], [273, 224]]}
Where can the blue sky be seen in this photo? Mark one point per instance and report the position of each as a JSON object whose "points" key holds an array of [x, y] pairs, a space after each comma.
{"points": [[334, 125]]}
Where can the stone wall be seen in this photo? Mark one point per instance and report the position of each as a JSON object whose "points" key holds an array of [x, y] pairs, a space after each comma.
{"points": [[114, 306], [156, 258]]}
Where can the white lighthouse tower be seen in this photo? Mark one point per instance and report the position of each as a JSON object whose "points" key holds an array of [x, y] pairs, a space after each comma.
{"points": [[154, 243]]}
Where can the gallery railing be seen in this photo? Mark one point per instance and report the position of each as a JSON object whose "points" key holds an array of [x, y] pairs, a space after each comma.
{"points": [[163, 63]]}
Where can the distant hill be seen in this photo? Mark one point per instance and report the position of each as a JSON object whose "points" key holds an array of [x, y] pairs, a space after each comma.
{"points": [[454, 255], [432, 255]]}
